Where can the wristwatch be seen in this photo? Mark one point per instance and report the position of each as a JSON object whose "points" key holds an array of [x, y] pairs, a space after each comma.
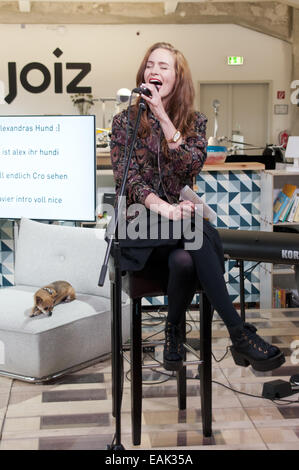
{"points": [[175, 138]]}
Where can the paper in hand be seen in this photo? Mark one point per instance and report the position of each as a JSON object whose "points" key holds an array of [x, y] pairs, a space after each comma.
{"points": [[187, 194]]}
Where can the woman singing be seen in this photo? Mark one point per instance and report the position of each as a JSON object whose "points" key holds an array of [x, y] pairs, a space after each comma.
{"points": [[170, 150]]}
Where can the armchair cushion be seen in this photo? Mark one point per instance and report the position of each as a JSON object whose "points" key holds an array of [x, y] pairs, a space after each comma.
{"points": [[47, 253]]}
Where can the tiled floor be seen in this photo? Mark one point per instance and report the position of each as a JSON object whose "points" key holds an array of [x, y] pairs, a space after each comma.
{"points": [[75, 411]]}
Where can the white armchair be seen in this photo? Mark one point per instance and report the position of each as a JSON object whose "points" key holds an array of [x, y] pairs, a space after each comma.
{"points": [[78, 333]]}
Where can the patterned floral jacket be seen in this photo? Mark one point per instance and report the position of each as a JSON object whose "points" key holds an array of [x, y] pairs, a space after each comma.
{"points": [[151, 171]]}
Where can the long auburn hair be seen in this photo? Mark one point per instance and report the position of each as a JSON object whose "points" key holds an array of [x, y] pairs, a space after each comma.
{"points": [[179, 106]]}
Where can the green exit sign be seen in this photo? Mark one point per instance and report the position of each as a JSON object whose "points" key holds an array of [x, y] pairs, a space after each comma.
{"points": [[235, 60]]}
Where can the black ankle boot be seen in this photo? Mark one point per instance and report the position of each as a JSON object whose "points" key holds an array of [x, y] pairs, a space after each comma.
{"points": [[173, 354], [250, 349]]}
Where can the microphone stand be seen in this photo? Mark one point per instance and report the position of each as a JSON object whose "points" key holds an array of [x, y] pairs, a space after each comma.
{"points": [[116, 320]]}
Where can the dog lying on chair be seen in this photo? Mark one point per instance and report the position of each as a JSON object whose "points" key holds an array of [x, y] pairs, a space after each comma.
{"points": [[48, 296]]}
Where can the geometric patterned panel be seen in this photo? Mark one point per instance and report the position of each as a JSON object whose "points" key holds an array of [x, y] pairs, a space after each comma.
{"points": [[6, 253], [235, 197]]}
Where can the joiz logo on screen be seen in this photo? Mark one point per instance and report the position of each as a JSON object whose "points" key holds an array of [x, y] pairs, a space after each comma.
{"points": [[72, 87]]}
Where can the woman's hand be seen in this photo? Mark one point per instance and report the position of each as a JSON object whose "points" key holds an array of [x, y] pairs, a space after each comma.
{"points": [[183, 210], [155, 102], [156, 106]]}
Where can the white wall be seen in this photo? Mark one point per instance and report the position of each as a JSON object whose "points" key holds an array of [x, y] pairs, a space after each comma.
{"points": [[115, 52]]}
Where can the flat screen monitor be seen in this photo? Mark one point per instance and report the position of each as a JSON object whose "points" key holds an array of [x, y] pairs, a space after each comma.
{"points": [[48, 167]]}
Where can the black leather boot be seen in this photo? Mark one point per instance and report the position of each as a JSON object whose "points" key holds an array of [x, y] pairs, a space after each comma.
{"points": [[173, 354], [250, 349]]}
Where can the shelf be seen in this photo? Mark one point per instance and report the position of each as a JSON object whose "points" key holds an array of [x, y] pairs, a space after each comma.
{"points": [[280, 224], [282, 173], [103, 159], [284, 271], [223, 167], [104, 171], [234, 166], [271, 183]]}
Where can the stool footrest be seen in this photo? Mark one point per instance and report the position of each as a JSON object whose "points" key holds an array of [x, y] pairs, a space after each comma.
{"points": [[127, 347], [190, 349], [155, 365]]}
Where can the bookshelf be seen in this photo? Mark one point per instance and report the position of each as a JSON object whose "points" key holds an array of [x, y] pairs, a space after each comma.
{"points": [[273, 276]]}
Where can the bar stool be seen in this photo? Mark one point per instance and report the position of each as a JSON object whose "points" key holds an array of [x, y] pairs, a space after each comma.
{"points": [[150, 283]]}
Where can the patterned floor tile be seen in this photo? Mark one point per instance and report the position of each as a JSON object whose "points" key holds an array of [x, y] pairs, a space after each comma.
{"points": [[74, 412]]}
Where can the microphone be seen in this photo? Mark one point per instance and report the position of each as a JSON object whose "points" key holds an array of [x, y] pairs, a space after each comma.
{"points": [[145, 91], [142, 90]]}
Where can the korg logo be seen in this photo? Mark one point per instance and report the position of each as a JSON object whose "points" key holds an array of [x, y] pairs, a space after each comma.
{"points": [[57, 76], [290, 254], [295, 94]]}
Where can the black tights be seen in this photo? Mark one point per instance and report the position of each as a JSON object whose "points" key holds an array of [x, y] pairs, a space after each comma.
{"points": [[185, 267]]}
